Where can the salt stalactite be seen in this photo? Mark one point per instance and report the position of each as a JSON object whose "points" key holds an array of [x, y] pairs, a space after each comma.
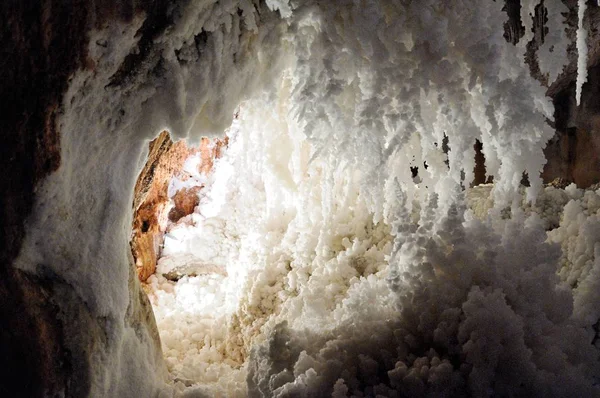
{"points": [[552, 54], [581, 51], [527, 17]]}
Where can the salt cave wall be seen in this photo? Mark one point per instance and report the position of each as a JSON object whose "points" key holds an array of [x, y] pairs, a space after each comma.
{"points": [[74, 320], [43, 43], [80, 87]]}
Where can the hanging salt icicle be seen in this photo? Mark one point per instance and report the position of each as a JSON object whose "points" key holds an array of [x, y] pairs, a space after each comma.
{"points": [[581, 51], [527, 16], [552, 54]]}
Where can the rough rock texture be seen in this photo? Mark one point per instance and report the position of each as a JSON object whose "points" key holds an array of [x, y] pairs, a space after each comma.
{"points": [[513, 27], [31, 338], [32, 355], [165, 159], [153, 209], [209, 152], [573, 153], [184, 203]]}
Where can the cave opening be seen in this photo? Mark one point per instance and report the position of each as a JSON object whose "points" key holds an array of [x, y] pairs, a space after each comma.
{"points": [[177, 241]]}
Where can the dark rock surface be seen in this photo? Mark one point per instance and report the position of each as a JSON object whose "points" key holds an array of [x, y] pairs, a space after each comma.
{"points": [[33, 360], [43, 43]]}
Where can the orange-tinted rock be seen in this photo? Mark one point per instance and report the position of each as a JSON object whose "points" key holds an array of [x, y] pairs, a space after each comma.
{"points": [[220, 146], [206, 155], [147, 249], [151, 200], [165, 159], [185, 201]]}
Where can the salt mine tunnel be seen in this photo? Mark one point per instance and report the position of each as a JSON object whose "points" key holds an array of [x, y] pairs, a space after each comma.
{"points": [[300, 198]]}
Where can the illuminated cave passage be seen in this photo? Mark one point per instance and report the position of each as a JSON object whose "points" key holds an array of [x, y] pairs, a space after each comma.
{"points": [[178, 244], [285, 198]]}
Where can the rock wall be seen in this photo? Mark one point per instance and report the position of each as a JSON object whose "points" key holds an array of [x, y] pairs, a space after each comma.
{"points": [[42, 352], [573, 153], [153, 209], [165, 158], [42, 44]]}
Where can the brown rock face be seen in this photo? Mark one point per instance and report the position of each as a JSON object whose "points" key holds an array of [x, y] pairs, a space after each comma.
{"points": [[31, 338], [153, 209], [573, 153], [185, 200], [586, 165], [209, 153], [165, 159]]}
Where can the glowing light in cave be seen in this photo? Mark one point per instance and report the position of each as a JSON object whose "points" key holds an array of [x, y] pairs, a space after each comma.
{"points": [[313, 232]]}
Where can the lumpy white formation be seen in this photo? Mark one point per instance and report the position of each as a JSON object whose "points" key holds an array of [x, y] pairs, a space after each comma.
{"points": [[327, 301], [323, 267]]}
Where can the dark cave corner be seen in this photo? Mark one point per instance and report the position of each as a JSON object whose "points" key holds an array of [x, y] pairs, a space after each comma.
{"points": [[43, 43]]}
